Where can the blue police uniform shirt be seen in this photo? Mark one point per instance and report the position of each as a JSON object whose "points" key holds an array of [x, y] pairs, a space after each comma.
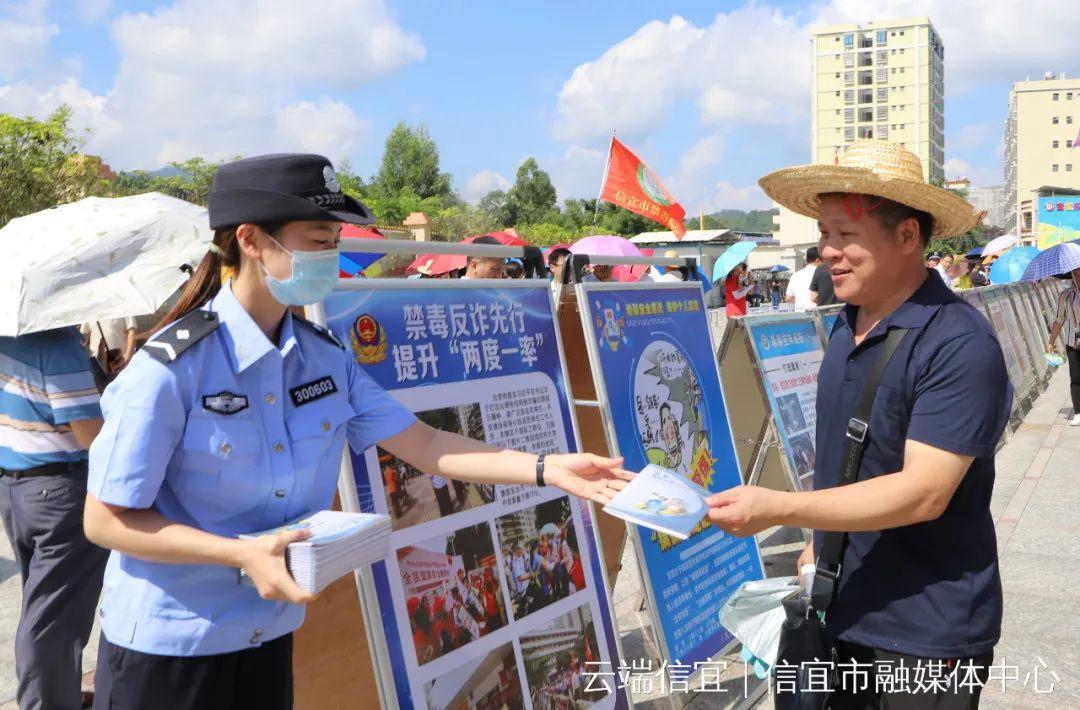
{"points": [[234, 436], [931, 589]]}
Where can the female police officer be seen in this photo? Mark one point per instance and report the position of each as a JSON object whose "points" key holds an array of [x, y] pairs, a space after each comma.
{"points": [[209, 434]]}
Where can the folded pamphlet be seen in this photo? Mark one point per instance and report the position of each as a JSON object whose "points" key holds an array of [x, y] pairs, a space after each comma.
{"points": [[661, 500], [339, 543]]}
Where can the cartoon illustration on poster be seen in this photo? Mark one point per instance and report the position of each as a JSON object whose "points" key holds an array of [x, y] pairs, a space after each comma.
{"points": [[477, 572], [664, 405]]}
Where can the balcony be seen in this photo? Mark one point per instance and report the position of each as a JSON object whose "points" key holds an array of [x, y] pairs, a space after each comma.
{"points": [[866, 115], [866, 59], [866, 132], [866, 96], [866, 41], [866, 78]]}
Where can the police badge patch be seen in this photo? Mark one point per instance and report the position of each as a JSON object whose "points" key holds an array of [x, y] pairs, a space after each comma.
{"points": [[368, 340], [226, 403]]}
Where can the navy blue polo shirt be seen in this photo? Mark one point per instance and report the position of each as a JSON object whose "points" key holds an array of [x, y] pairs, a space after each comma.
{"points": [[931, 589]]}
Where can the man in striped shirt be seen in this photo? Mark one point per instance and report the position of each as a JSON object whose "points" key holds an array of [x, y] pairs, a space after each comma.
{"points": [[1067, 325], [49, 414]]}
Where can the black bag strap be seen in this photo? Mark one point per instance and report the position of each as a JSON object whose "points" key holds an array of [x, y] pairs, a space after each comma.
{"points": [[832, 544]]}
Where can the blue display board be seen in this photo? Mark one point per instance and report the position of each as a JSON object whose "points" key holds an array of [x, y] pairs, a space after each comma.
{"points": [[660, 393], [490, 592], [789, 354]]}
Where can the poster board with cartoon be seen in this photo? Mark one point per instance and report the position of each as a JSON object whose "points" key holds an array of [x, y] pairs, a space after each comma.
{"points": [[659, 390], [489, 591]]}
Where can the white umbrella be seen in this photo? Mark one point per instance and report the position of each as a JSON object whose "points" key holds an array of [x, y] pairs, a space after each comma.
{"points": [[999, 244], [97, 259]]}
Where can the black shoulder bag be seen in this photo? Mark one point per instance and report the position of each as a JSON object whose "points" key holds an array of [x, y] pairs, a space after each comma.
{"points": [[802, 635]]}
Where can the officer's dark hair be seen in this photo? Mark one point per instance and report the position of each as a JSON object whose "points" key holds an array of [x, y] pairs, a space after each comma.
{"points": [[205, 282], [889, 213], [812, 255]]}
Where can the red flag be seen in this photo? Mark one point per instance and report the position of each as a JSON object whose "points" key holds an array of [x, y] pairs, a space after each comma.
{"points": [[631, 185]]}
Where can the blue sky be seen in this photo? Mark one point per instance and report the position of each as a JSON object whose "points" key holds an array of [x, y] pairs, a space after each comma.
{"points": [[712, 95]]}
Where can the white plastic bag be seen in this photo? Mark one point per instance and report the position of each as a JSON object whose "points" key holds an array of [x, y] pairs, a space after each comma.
{"points": [[753, 614]]}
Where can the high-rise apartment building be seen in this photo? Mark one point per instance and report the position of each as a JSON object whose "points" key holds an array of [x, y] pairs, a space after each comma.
{"points": [[1040, 150], [884, 79]]}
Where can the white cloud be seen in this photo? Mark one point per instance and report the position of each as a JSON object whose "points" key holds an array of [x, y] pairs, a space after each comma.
{"points": [[973, 135], [980, 176], [327, 127], [576, 172], [482, 183], [91, 11], [188, 84], [748, 66], [24, 35], [724, 195]]}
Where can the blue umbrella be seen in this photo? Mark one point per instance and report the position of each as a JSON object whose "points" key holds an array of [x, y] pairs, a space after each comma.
{"points": [[704, 279], [735, 255], [1010, 266], [778, 268], [1060, 259]]}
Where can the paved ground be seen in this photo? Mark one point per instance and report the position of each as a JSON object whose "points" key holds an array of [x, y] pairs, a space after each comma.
{"points": [[1036, 496]]}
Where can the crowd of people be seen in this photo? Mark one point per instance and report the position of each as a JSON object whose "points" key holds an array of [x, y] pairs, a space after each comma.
{"points": [[456, 614], [543, 570]]}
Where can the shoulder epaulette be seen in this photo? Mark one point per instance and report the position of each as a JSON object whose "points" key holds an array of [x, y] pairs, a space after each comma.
{"points": [[320, 331], [181, 335]]}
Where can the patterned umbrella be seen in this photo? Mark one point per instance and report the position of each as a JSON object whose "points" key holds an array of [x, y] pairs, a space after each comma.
{"points": [[1055, 261]]}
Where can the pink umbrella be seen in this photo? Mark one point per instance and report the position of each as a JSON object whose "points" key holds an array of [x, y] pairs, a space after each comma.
{"points": [[629, 273], [605, 245]]}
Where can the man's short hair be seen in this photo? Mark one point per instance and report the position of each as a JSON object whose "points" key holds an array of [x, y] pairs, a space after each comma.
{"points": [[890, 213], [812, 255], [557, 255], [483, 240]]}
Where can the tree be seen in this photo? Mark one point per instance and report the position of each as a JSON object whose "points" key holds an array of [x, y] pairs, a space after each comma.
{"points": [[458, 222], [411, 161], [497, 206], [189, 180], [532, 197], [41, 166]]}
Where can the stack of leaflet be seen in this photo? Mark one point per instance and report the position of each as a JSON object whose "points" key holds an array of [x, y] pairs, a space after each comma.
{"points": [[339, 543]]}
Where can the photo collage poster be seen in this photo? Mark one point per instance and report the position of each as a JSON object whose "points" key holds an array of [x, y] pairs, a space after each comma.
{"points": [[790, 353], [493, 595], [1000, 320], [658, 377]]}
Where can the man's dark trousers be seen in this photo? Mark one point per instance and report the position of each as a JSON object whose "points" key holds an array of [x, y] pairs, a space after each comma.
{"points": [[61, 575]]}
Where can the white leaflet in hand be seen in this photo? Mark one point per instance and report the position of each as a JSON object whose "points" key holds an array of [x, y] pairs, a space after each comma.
{"points": [[661, 500]]}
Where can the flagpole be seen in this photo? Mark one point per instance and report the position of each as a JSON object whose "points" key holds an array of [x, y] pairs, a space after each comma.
{"points": [[603, 178]]}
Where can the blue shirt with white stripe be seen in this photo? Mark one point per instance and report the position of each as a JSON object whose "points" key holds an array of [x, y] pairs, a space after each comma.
{"points": [[45, 383]]}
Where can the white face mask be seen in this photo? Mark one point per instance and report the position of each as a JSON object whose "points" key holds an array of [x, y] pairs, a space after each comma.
{"points": [[314, 274]]}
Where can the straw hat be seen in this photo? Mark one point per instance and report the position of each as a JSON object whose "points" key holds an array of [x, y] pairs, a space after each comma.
{"points": [[872, 167]]}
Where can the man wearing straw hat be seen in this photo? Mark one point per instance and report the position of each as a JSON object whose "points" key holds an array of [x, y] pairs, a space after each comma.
{"points": [[918, 583]]}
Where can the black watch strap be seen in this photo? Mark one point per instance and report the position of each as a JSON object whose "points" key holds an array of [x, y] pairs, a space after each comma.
{"points": [[540, 470]]}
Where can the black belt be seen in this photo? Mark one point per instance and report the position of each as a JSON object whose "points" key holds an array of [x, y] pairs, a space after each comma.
{"points": [[49, 469]]}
